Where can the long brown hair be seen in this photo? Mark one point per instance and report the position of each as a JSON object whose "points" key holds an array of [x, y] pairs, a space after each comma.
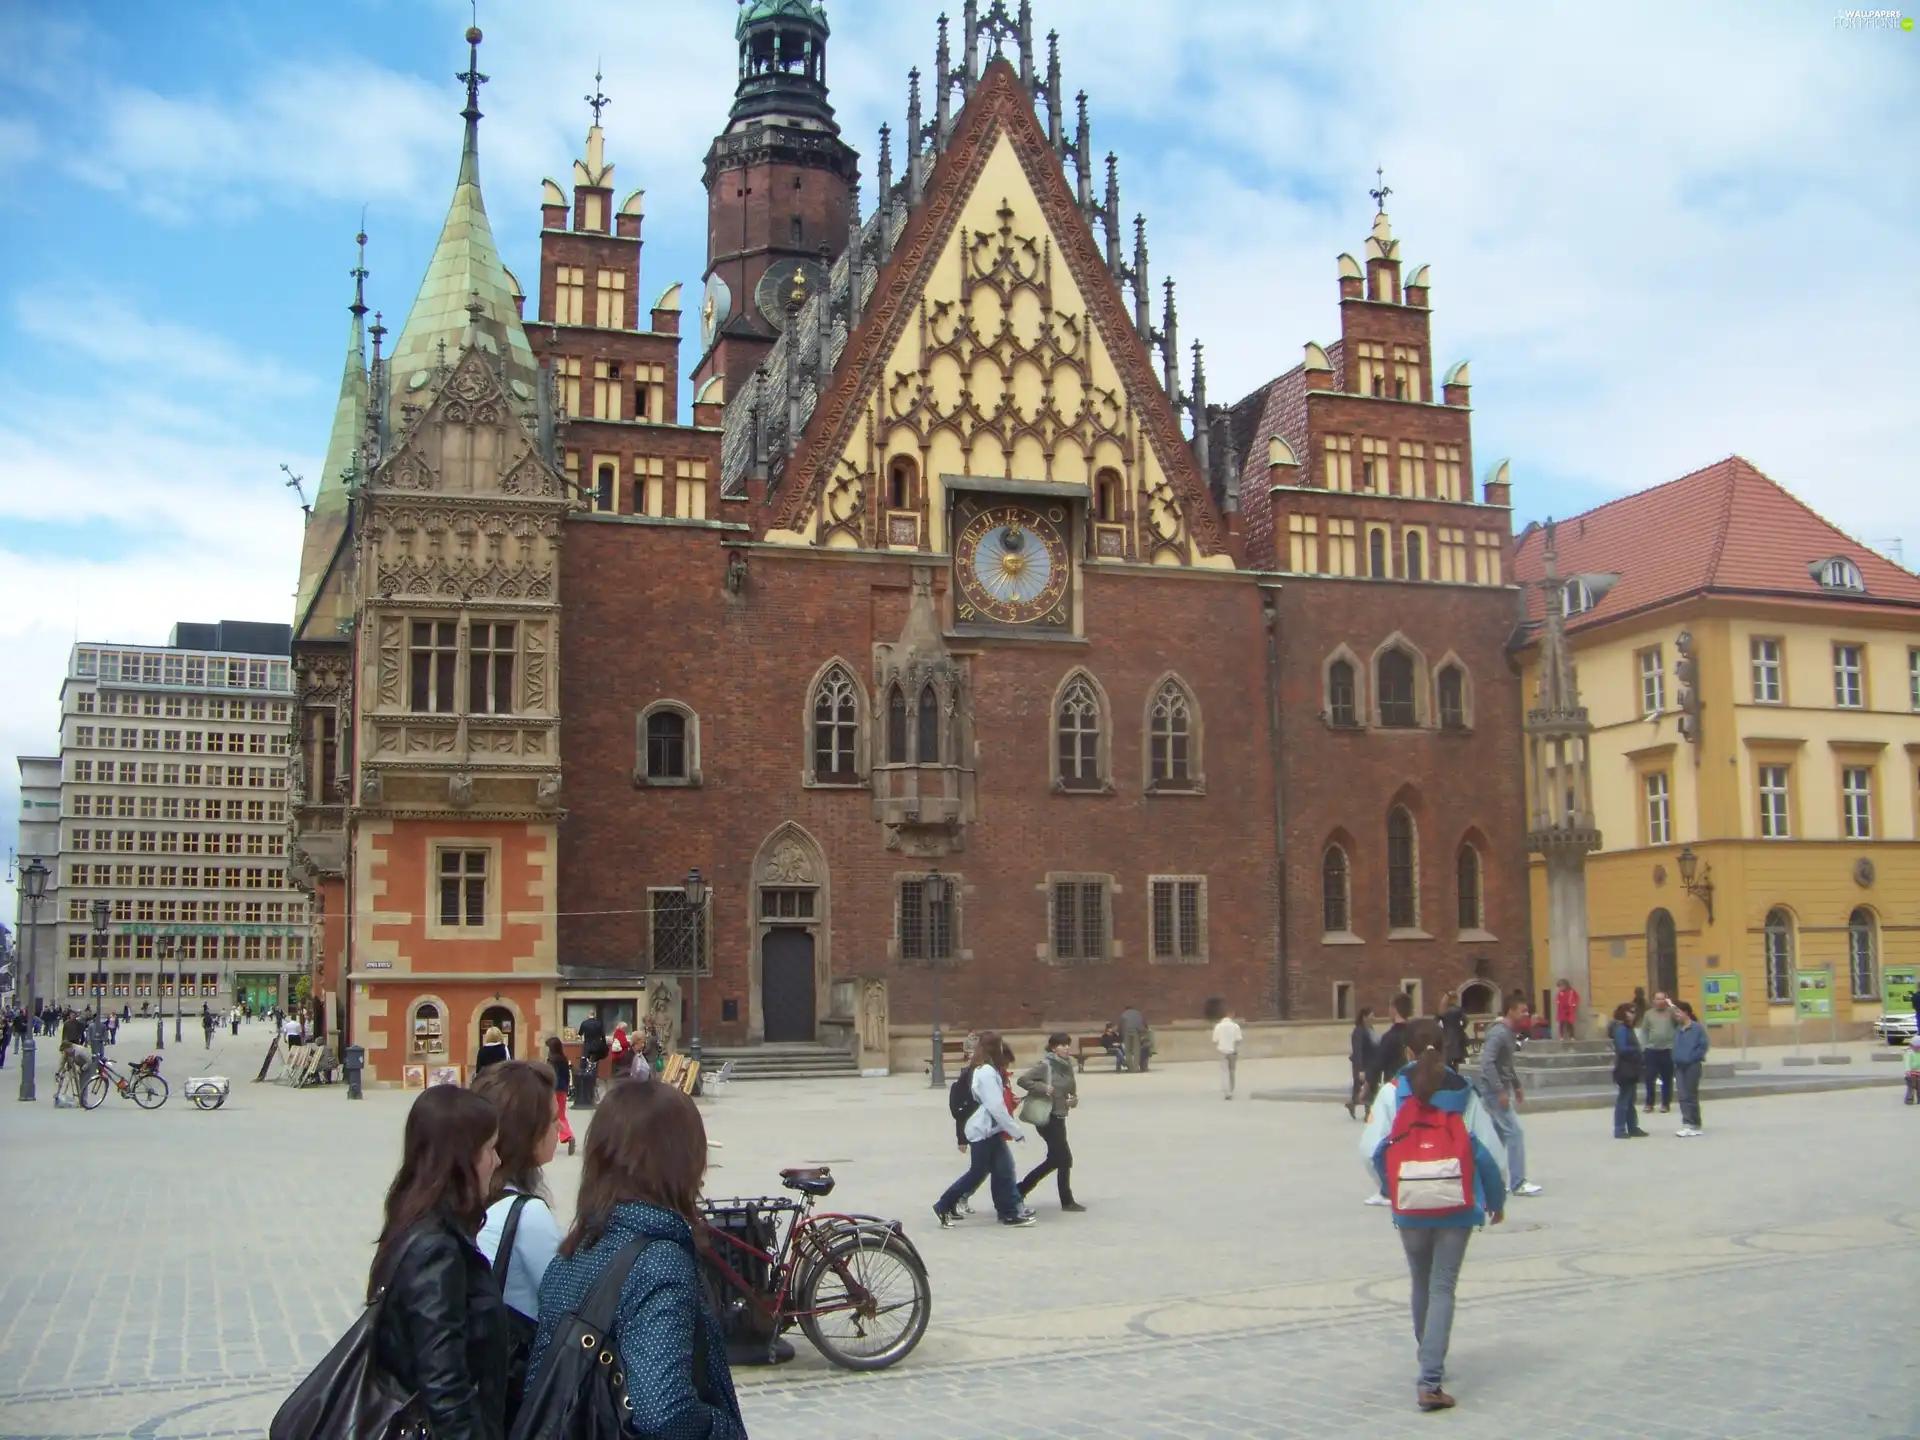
{"points": [[446, 1128], [647, 1143], [1425, 1040], [521, 1092], [986, 1051]]}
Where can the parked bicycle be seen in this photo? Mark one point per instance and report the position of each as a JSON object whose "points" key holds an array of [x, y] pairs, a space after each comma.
{"points": [[854, 1283], [143, 1084]]}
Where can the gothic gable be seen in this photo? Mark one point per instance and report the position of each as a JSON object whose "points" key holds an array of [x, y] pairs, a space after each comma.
{"points": [[997, 346], [470, 440]]}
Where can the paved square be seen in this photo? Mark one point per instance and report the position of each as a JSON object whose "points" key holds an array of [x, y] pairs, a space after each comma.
{"points": [[170, 1274]]}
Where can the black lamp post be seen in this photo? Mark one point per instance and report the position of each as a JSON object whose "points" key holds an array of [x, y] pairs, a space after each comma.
{"points": [[696, 891], [933, 893], [100, 912], [33, 889]]}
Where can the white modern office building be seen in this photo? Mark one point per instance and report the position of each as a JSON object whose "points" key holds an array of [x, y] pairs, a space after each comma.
{"points": [[172, 863]]}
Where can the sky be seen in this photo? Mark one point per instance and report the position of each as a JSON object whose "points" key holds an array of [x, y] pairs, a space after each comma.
{"points": [[1661, 233]]}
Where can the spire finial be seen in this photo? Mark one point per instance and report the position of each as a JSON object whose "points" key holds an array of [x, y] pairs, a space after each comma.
{"points": [[378, 332], [1380, 190], [473, 80], [597, 102], [359, 271]]}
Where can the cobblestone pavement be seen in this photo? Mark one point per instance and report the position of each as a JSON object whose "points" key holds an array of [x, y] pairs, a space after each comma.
{"points": [[171, 1274]]}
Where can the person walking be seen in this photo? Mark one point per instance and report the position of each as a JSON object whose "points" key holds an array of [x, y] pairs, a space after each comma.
{"points": [[1657, 1029], [1226, 1039], [1052, 1089], [233, 1020], [562, 1083], [1499, 1086], [206, 1024], [1360, 1046], [1690, 1044], [640, 1183], [1453, 1026], [520, 1237], [492, 1051], [1566, 1008], [1430, 1125], [442, 1332], [1390, 1053], [1626, 1073], [988, 1131], [1133, 1038]]}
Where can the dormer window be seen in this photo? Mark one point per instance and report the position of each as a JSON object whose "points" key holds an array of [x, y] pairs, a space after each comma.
{"points": [[1580, 597], [1839, 573]]}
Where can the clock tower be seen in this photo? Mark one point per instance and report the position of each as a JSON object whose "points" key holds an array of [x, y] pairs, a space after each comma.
{"points": [[780, 184]]}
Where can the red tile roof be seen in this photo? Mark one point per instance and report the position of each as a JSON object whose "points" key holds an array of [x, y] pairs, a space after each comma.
{"points": [[1727, 529]]}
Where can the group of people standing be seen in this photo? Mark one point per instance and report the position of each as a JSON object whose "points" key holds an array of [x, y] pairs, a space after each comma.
{"points": [[477, 1279], [1659, 1044]]}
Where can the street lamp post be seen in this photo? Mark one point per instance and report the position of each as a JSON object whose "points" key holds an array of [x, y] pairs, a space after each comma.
{"points": [[176, 991], [933, 891], [100, 912], [33, 889], [159, 1001], [696, 890]]}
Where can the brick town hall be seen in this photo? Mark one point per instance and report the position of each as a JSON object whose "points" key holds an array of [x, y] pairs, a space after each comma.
{"points": [[959, 638]]}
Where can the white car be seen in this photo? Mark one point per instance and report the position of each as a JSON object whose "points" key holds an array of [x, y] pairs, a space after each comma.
{"points": [[1896, 1029]]}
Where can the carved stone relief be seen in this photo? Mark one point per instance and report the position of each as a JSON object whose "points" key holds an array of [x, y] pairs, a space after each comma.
{"points": [[789, 865]]}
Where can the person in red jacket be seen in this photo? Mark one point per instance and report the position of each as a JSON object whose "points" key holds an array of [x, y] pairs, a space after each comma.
{"points": [[1566, 1008]]}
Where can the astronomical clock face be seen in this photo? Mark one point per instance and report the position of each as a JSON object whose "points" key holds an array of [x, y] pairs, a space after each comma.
{"points": [[778, 284], [1010, 564]]}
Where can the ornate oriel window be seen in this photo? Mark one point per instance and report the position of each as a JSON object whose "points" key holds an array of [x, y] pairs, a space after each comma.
{"points": [[1394, 682], [1403, 886], [1336, 896], [926, 729], [1170, 738], [896, 726], [1077, 725], [836, 728], [431, 657]]}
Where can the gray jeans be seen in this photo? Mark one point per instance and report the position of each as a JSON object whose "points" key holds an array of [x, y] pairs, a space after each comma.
{"points": [[1689, 1076], [1433, 1257]]}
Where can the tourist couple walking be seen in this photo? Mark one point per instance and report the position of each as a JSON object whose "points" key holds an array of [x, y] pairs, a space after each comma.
{"points": [[982, 1102]]}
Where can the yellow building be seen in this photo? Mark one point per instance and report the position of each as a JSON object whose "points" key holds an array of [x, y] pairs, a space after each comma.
{"points": [[1752, 679]]}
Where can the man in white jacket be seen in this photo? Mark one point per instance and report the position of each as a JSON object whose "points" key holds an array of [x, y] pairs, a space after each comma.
{"points": [[1226, 1039], [989, 1131]]}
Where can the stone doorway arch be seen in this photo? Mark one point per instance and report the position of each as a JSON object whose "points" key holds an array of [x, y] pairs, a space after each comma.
{"points": [[789, 913]]}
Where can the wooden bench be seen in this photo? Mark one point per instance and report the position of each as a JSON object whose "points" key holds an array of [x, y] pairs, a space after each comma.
{"points": [[952, 1052], [1085, 1045]]}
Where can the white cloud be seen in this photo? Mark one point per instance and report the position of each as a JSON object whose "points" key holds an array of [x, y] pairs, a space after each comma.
{"points": [[107, 329]]}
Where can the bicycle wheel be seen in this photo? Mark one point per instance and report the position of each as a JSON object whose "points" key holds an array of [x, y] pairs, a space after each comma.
{"points": [[149, 1092], [94, 1091], [866, 1303]]}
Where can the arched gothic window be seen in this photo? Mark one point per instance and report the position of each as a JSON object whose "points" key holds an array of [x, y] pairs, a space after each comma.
{"points": [[896, 726], [1453, 698], [1336, 900], [1467, 879], [1394, 684], [902, 493], [1403, 888], [1078, 724], [927, 728], [1778, 938], [1106, 496], [1862, 954], [1342, 703], [1170, 738], [1377, 554], [1416, 556], [836, 728]]}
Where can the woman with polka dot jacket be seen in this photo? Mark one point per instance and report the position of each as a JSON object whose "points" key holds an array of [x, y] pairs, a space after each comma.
{"points": [[640, 1179]]}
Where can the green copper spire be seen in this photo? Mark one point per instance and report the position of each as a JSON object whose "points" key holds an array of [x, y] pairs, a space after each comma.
{"points": [[465, 271], [327, 523]]}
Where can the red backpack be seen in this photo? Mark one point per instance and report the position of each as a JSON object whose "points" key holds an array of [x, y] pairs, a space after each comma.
{"points": [[1429, 1162]]}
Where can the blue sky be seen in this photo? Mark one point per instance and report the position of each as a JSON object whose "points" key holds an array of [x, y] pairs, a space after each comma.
{"points": [[1661, 233]]}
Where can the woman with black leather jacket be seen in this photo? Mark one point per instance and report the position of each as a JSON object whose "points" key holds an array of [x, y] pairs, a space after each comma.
{"points": [[442, 1330]]}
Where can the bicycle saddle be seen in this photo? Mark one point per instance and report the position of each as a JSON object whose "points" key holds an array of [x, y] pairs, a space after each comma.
{"points": [[808, 1179]]}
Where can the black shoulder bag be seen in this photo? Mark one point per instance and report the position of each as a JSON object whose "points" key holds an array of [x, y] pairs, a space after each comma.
{"points": [[520, 1328], [348, 1396], [582, 1393]]}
